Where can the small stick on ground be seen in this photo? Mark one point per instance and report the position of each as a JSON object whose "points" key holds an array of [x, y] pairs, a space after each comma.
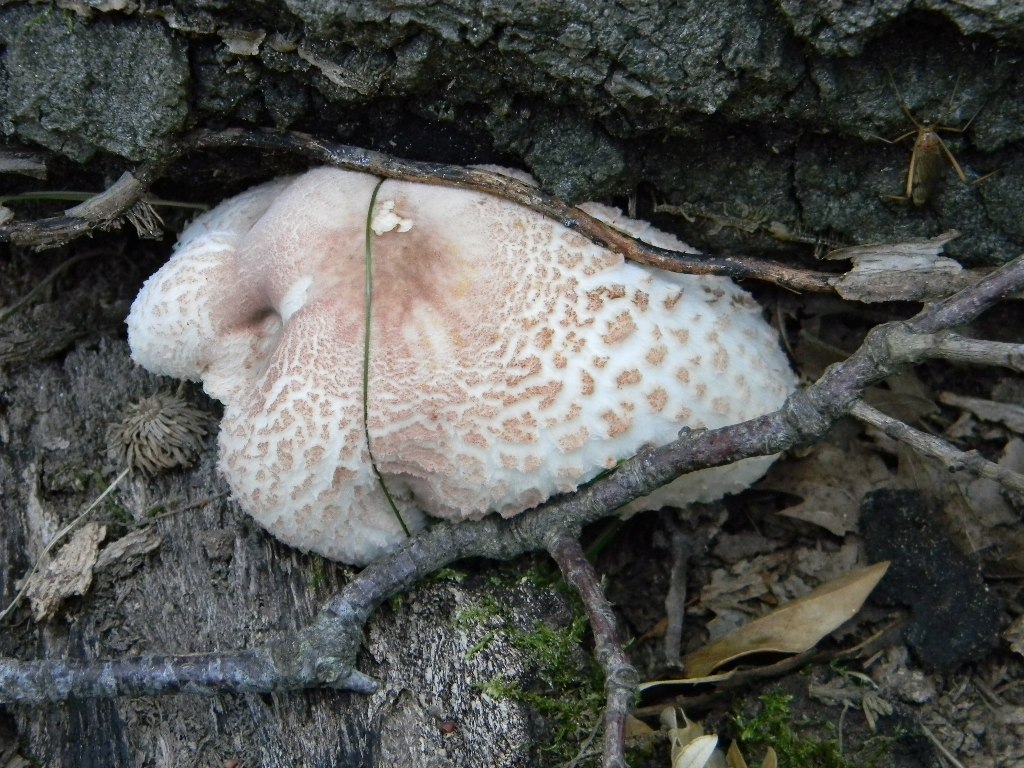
{"points": [[621, 678], [961, 349], [675, 598], [928, 445], [113, 204]]}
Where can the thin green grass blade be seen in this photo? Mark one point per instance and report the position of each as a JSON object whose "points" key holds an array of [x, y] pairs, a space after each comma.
{"points": [[368, 270]]}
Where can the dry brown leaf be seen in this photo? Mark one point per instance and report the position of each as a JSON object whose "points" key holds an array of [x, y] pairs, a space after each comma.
{"points": [[679, 735], [68, 573], [692, 748], [636, 728], [1007, 414], [1014, 635], [794, 627], [734, 757], [987, 498], [905, 397], [702, 752], [831, 482]]}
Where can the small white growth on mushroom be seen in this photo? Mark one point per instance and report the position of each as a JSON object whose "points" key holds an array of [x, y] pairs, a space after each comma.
{"points": [[385, 219], [511, 358]]}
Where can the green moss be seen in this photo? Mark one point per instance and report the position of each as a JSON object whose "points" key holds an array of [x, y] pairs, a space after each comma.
{"points": [[448, 574], [799, 744], [773, 726], [318, 571], [565, 685]]}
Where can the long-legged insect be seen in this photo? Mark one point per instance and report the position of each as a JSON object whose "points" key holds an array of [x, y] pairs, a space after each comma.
{"points": [[925, 171]]}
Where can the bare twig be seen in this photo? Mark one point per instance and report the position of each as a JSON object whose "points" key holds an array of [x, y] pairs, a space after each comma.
{"points": [[96, 213], [961, 349], [324, 653], [675, 598], [941, 747], [377, 163], [621, 678], [131, 188], [117, 204], [929, 445]]}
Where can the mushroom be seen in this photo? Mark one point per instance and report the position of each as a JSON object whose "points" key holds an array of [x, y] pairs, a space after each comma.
{"points": [[510, 359]]}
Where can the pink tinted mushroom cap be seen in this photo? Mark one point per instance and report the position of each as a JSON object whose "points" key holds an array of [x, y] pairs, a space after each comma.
{"points": [[511, 359]]}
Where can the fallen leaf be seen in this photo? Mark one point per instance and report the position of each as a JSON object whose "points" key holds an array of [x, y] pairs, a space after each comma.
{"points": [[637, 728], [698, 753], [794, 627], [987, 498], [68, 573], [679, 735], [691, 747], [1014, 635], [831, 482], [734, 758], [1008, 414]]}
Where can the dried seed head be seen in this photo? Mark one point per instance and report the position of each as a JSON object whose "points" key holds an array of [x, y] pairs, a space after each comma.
{"points": [[157, 433]]}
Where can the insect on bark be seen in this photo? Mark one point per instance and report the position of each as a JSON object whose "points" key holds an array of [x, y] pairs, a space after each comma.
{"points": [[929, 151]]}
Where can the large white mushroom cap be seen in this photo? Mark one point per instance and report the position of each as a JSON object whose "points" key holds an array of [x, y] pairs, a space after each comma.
{"points": [[511, 359]]}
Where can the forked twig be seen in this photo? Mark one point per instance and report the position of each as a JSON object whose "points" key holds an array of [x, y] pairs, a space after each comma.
{"points": [[324, 653], [929, 445]]}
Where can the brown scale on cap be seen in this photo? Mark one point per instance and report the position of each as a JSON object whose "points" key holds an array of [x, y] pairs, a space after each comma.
{"points": [[510, 359]]}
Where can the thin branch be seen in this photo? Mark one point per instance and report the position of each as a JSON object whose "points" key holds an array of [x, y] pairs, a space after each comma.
{"points": [[532, 197], [928, 445], [675, 598], [99, 212], [961, 349], [324, 653], [110, 206], [621, 678], [207, 673]]}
